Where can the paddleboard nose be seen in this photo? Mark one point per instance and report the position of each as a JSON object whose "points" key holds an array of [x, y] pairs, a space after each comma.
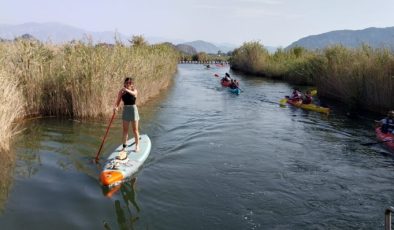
{"points": [[110, 177]]}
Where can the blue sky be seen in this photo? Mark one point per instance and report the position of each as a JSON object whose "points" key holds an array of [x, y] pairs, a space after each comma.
{"points": [[273, 22]]}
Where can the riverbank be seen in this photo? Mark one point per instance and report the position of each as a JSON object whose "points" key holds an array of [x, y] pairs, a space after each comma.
{"points": [[361, 78], [76, 80]]}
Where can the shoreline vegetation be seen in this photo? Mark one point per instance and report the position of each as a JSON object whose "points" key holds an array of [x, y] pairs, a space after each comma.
{"points": [[79, 80], [362, 78]]}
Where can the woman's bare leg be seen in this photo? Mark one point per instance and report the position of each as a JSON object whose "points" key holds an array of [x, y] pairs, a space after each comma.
{"points": [[125, 131], [134, 125]]}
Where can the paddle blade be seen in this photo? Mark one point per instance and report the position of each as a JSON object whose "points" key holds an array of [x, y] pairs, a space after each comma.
{"points": [[283, 101], [374, 143], [314, 92], [216, 75]]}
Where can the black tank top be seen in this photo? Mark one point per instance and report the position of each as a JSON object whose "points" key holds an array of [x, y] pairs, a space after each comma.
{"points": [[128, 99]]}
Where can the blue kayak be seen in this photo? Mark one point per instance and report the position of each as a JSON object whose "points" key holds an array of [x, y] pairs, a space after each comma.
{"points": [[235, 91]]}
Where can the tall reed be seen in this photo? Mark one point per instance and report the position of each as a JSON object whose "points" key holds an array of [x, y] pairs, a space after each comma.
{"points": [[362, 78], [81, 80], [251, 58], [10, 108]]}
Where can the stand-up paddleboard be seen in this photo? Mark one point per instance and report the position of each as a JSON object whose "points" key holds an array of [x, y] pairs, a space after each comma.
{"points": [[121, 165]]}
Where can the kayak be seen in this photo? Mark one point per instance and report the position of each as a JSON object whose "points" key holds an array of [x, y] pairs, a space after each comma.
{"points": [[386, 138], [235, 91], [311, 107], [121, 165], [225, 83]]}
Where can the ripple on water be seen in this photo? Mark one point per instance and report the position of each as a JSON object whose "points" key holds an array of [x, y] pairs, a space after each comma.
{"points": [[218, 161]]}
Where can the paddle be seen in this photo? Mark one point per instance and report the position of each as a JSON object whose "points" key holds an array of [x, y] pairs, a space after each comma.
{"points": [[105, 136], [217, 75], [376, 142], [314, 92], [283, 101]]}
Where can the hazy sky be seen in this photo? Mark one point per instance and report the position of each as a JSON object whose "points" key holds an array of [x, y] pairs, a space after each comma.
{"points": [[273, 22]]}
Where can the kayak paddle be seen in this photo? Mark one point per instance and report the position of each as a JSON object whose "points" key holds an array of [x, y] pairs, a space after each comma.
{"points": [[283, 101], [313, 92], [376, 142]]}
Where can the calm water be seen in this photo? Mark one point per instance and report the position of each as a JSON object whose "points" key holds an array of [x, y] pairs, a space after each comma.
{"points": [[218, 161]]}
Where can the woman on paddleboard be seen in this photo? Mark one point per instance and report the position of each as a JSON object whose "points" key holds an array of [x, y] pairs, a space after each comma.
{"points": [[128, 94]]}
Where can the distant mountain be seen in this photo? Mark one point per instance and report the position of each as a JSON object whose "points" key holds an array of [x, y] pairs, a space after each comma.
{"points": [[203, 46], [57, 33], [374, 37], [271, 49], [226, 47], [186, 49], [60, 33]]}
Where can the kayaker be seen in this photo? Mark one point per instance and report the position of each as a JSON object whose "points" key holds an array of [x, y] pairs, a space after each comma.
{"points": [[236, 82], [296, 95], [387, 123], [233, 84], [307, 98], [128, 94]]}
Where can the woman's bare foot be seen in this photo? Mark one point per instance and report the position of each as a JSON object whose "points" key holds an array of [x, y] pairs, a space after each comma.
{"points": [[137, 148]]}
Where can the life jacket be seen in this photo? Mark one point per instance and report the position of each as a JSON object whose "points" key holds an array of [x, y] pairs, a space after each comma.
{"points": [[387, 125], [233, 85], [296, 96], [307, 100]]}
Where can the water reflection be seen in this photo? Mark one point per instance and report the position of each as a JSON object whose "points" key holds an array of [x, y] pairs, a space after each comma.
{"points": [[127, 208], [7, 166]]}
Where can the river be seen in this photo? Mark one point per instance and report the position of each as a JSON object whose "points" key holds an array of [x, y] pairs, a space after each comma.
{"points": [[218, 161]]}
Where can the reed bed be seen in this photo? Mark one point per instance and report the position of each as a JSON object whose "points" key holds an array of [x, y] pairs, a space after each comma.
{"points": [[363, 78], [81, 80], [78, 79], [10, 108]]}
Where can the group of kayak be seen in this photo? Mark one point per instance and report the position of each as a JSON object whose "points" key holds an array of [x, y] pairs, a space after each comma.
{"points": [[384, 131], [217, 65]]}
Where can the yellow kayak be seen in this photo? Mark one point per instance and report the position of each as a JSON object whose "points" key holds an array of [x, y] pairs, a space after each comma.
{"points": [[311, 107]]}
